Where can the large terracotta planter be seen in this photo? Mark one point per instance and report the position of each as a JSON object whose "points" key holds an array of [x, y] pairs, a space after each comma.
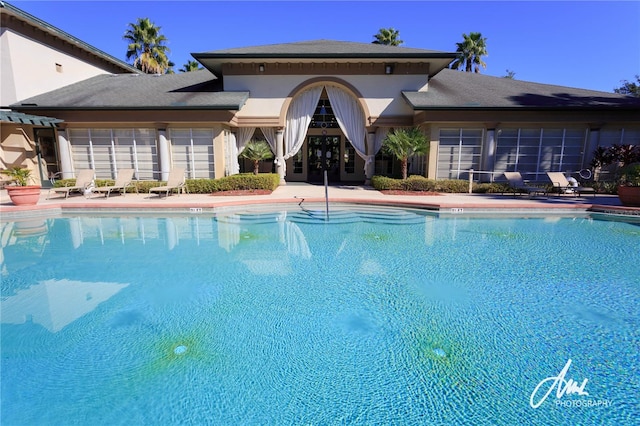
{"points": [[24, 195], [629, 195]]}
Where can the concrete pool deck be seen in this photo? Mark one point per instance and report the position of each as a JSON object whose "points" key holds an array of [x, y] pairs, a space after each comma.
{"points": [[294, 193]]}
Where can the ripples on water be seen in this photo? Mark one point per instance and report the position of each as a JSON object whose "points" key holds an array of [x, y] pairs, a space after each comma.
{"points": [[376, 316]]}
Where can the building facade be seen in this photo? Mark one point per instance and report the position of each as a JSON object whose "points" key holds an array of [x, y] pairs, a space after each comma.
{"points": [[35, 58], [329, 102]]}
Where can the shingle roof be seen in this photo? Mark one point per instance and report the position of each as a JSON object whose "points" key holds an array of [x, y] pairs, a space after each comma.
{"points": [[8, 116], [452, 89], [190, 90], [324, 49]]}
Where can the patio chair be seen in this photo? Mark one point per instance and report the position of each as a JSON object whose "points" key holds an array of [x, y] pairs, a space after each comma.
{"points": [[516, 182], [124, 178], [83, 180], [175, 181], [562, 185]]}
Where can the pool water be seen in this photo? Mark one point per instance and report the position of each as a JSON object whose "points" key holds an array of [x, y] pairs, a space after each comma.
{"points": [[376, 316]]}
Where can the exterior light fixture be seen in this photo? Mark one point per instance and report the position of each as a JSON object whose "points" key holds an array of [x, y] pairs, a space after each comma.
{"points": [[261, 67], [388, 69]]}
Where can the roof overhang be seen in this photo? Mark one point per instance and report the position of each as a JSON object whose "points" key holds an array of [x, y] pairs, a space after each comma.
{"points": [[8, 116]]}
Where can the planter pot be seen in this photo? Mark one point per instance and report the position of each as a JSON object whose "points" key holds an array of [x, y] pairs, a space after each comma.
{"points": [[24, 195], [629, 195]]}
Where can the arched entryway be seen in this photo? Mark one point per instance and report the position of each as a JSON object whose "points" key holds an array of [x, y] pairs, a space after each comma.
{"points": [[325, 122]]}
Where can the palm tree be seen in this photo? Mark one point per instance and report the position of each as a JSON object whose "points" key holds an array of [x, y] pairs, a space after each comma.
{"points": [[470, 53], [388, 36], [403, 143], [511, 75], [146, 47], [191, 66], [256, 151]]}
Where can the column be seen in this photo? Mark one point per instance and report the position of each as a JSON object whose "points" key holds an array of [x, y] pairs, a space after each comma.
{"points": [[489, 155], [370, 167], [592, 145], [280, 166], [164, 158], [64, 155]]}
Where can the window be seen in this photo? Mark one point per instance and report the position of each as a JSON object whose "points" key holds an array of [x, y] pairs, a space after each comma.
{"points": [[193, 150], [349, 159], [459, 151], [533, 152], [108, 150]]}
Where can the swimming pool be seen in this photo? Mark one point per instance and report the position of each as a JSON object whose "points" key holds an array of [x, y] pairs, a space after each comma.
{"points": [[378, 316]]}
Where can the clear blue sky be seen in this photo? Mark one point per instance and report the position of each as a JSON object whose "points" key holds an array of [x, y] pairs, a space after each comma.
{"points": [[586, 44]]}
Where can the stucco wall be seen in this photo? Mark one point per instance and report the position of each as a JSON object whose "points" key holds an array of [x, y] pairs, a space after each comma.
{"points": [[17, 149], [29, 68], [382, 93]]}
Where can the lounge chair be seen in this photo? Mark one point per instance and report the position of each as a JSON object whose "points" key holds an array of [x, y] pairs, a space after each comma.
{"points": [[516, 182], [175, 181], [562, 185], [83, 180], [125, 176]]}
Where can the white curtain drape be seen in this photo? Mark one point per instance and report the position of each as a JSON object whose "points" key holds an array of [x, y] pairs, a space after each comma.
{"points": [[270, 135], [231, 157], [376, 144], [243, 136], [350, 118], [298, 119]]}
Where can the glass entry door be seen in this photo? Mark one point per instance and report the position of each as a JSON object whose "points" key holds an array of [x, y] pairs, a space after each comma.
{"points": [[47, 156], [332, 159]]}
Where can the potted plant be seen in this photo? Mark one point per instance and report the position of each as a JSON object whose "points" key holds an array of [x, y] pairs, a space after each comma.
{"points": [[629, 185], [21, 193]]}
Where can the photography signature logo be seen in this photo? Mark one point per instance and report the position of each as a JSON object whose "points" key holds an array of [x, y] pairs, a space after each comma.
{"points": [[564, 387]]}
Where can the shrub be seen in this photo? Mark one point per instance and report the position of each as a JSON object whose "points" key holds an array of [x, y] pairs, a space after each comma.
{"points": [[630, 175], [452, 186], [383, 183], [200, 186], [491, 188], [245, 181], [419, 183]]}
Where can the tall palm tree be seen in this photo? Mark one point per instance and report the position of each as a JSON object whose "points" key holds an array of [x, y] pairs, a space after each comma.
{"points": [[147, 47], [257, 151], [403, 143], [388, 36], [470, 52], [191, 66]]}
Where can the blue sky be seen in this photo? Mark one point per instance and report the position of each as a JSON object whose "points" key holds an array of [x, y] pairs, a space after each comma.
{"points": [[586, 44]]}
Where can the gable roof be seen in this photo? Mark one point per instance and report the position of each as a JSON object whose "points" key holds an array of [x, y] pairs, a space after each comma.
{"points": [[13, 17], [189, 90], [306, 51], [452, 89]]}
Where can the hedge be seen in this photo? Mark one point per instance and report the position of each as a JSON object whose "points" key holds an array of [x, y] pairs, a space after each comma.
{"points": [[420, 183], [244, 181]]}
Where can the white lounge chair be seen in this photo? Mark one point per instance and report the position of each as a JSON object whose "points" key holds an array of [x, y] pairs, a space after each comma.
{"points": [[516, 182], [562, 185], [124, 178], [83, 180], [175, 181]]}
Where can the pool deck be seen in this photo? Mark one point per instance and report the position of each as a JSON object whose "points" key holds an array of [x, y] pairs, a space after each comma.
{"points": [[295, 193]]}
